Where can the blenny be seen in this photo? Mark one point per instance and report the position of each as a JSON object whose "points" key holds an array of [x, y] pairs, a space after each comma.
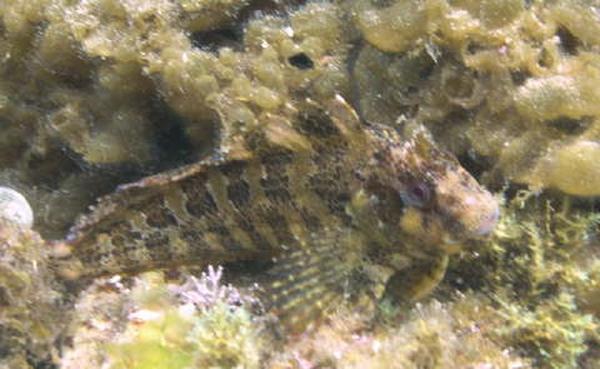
{"points": [[329, 199]]}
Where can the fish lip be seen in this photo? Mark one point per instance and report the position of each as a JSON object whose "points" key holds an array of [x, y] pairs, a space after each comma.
{"points": [[488, 223], [459, 232]]}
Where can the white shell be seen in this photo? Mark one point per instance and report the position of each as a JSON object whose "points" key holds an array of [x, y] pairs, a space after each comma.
{"points": [[15, 208]]}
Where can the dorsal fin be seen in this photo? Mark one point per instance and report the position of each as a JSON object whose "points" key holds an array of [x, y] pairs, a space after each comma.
{"points": [[345, 117], [420, 137], [238, 124]]}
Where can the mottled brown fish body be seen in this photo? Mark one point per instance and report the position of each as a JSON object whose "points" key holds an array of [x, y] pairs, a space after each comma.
{"points": [[330, 199], [220, 211]]}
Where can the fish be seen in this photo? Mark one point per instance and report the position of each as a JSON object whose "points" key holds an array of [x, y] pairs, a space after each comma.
{"points": [[328, 199]]}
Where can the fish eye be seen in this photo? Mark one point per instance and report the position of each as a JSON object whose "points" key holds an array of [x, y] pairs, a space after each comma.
{"points": [[418, 194]]}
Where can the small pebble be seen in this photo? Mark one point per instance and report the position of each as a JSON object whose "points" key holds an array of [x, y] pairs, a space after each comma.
{"points": [[15, 208]]}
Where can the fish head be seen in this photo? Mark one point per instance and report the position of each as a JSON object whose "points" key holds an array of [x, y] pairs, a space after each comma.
{"points": [[442, 203]]}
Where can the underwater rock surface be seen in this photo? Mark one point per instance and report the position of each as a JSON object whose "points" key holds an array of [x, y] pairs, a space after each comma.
{"points": [[34, 306], [95, 93]]}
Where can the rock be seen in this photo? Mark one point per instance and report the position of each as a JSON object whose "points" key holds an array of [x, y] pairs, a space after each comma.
{"points": [[15, 208]]}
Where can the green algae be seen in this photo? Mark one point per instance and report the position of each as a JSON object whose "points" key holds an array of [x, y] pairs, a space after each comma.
{"points": [[31, 319], [492, 80], [431, 335], [555, 334], [201, 323], [495, 78], [528, 300], [509, 87], [83, 78], [539, 270]]}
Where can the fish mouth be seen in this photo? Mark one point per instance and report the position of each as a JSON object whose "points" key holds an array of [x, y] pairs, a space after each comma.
{"points": [[488, 223], [460, 233], [476, 219]]}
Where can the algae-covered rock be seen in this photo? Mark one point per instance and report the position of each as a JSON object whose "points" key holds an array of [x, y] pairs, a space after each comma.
{"points": [[205, 15], [393, 28], [496, 78], [201, 322], [580, 18], [558, 96], [555, 333], [31, 314], [573, 169], [94, 93], [539, 270], [124, 84], [432, 335]]}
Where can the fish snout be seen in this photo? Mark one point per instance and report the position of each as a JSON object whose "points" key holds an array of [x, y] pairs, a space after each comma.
{"points": [[480, 214], [488, 221]]}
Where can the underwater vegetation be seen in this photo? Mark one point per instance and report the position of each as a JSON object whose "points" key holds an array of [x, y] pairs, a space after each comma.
{"points": [[540, 273], [98, 93], [508, 85], [433, 335], [198, 322], [92, 76], [31, 301], [529, 300]]}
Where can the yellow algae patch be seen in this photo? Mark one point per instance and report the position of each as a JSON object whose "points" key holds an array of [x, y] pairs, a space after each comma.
{"points": [[556, 96], [573, 169], [395, 28]]}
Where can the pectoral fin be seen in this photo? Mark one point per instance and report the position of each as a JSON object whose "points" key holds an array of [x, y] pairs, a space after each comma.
{"points": [[417, 280], [309, 282]]}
